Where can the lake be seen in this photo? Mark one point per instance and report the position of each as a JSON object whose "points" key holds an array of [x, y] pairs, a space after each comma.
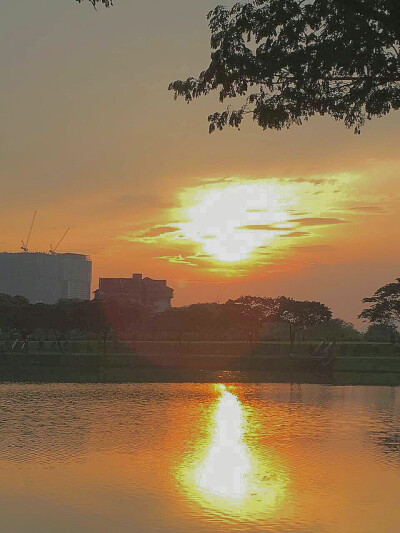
{"points": [[184, 457]]}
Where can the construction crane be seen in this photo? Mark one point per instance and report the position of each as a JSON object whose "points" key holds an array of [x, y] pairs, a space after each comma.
{"points": [[52, 250], [24, 246]]}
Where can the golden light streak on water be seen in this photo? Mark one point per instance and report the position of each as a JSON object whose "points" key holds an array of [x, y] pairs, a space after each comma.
{"points": [[227, 465], [232, 477]]}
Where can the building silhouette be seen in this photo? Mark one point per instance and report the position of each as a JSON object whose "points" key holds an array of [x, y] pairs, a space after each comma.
{"points": [[151, 293], [45, 277]]}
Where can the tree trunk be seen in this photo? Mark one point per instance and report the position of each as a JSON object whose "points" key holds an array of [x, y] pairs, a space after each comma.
{"points": [[58, 341], [180, 345], [105, 342], [25, 341], [292, 338], [250, 336], [134, 345]]}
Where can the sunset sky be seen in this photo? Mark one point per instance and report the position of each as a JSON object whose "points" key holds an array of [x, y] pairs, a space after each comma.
{"points": [[92, 139]]}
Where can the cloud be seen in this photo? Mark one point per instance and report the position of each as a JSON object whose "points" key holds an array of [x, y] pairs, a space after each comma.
{"points": [[317, 221], [200, 256], [314, 181], [361, 209], [158, 231], [301, 222], [262, 227], [230, 273], [297, 213], [178, 259], [367, 209], [264, 253], [296, 234], [151, 235]]}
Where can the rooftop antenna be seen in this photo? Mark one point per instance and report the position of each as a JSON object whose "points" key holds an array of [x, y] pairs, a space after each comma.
{"points": [[24, 246], [52, 250]]}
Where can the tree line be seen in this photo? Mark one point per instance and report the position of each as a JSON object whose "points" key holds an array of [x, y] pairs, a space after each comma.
{"points": [[249, 318]]}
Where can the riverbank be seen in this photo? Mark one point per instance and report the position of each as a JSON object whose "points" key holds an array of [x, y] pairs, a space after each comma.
{"points": [[189, 347], [116, 368]]}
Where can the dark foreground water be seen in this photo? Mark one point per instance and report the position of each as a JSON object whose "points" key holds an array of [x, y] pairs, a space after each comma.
{"points": [[199, 457]]}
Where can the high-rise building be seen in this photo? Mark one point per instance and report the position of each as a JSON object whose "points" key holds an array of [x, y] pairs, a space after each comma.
{"points": [[45, 278], [152, 293]]}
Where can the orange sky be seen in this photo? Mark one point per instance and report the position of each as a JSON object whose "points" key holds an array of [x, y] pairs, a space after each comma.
{"points": [[92, 139]]}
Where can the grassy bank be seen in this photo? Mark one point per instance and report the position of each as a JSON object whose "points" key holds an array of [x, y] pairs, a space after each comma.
{"points": [[210, 348], [97, 367]]}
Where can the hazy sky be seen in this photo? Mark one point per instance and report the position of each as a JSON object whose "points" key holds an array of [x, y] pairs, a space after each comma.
{"points": [[92, 139]]}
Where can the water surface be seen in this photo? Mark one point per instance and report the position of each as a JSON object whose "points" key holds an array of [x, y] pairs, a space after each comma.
{"points": [[199, 457]]}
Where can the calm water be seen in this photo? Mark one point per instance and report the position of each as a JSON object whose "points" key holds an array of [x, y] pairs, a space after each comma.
{"points": [[184, 457]]}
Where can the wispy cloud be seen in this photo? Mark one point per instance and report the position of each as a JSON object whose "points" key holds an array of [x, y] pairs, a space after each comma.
{"points": [[367, 209], [200, 256], [313, 180], [317, 221], [178, 259], [157, 231], [151, 235], [262, 227], [296, 234]]}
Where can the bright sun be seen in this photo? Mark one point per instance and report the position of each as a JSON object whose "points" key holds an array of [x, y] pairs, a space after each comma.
{"points": [[230, 222]]}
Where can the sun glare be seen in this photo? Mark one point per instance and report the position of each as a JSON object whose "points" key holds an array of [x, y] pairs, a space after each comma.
{"points": [[230, 222], [233, 225]]}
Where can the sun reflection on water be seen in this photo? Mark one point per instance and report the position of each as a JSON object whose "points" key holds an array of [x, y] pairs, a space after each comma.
{"points": [[225, 469], [230, 476]]}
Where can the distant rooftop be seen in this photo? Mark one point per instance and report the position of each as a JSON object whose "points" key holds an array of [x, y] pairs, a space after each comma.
{"points": [[150, 292]]}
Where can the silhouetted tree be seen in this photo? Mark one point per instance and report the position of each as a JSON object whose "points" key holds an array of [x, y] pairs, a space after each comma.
{"points": [[18, 315], [107, 3], [176, 320], [63, 318], [300, 315], [26, 319], [335, 330], [292, 59], [7, 310], [249, 313], [94, 319], [12, 301], [126, 318], [201, 318], [205, 317], [382, 333], [385, 308]]}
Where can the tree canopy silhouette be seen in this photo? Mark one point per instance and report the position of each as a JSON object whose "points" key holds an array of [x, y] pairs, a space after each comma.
{"points": [[107, 3], [249, 313], [300, 315], [288, 60], [385, 308]]}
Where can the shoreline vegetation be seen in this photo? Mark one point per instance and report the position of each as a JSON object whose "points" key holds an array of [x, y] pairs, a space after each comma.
{"points": [[209, 348], [174, 375], [228, 362], [250, 339]]}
